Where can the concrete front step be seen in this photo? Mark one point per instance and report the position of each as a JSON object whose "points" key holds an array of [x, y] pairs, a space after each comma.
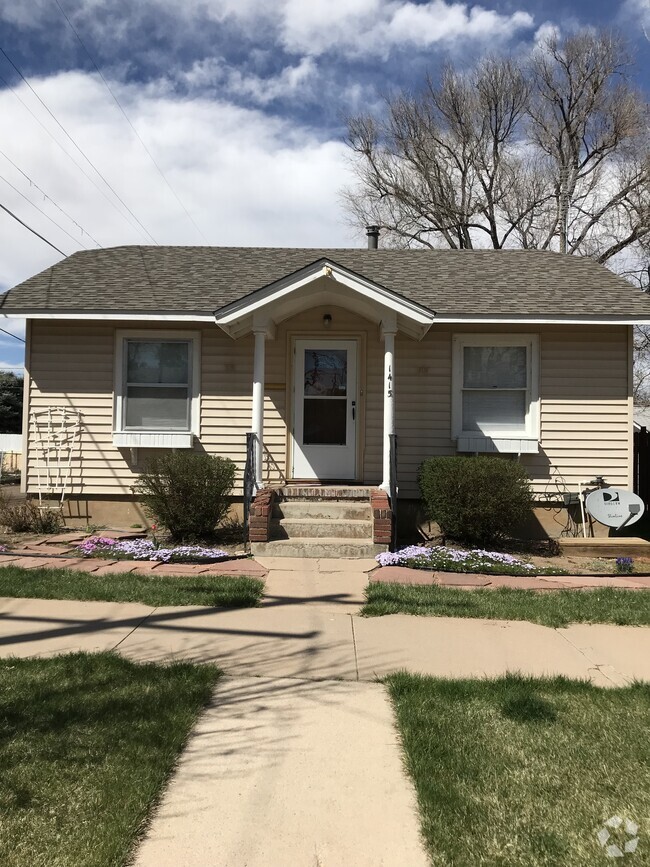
{"points": [[323, 492], [334, 510], [310, 528], [322, 548]]}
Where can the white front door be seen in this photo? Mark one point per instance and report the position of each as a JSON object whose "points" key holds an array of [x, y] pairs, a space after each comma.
{"points": [[325, 409]]}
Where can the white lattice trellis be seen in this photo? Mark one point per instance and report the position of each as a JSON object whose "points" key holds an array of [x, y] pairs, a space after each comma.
{"points": [[55, 435]]}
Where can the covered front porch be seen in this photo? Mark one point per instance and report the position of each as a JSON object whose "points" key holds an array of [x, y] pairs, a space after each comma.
{"points": [[324, 367]]}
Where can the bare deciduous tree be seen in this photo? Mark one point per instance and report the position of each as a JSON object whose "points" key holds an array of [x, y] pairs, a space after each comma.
{"points": [[551, 154]]}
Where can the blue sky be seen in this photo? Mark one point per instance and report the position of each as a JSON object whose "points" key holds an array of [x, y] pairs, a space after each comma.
{"points": [[240, 102]]}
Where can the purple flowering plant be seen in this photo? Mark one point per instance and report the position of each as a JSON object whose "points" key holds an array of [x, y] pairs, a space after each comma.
{"points": [[145, 549], [624, 564], [444, 559]]}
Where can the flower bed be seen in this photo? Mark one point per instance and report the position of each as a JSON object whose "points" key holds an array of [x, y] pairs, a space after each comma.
{"points": [[476, 560], [144, 549]]}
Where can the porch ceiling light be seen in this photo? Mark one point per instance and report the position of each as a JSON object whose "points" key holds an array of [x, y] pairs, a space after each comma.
{"points": [[327, 320]]}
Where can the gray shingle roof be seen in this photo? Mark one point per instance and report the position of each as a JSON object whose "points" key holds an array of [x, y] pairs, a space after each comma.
{"points": [[449, 282]]}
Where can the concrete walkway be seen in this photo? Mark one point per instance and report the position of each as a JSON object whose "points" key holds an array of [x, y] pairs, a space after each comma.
{"points": [[296, 761], [281, 772]]}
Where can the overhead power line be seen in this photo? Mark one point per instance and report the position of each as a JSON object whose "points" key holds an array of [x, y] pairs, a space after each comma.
{"points": [[33, 231], [128, 120], [71, 139], [50, 199], [41, 211], [15, 336], [70, 157]]}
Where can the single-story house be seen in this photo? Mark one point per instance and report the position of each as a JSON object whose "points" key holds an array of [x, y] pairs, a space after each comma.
{"points": [[329, 357]]}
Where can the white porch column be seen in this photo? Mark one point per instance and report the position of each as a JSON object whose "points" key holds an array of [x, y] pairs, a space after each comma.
{"points": [[258, 401], [388, 333]]}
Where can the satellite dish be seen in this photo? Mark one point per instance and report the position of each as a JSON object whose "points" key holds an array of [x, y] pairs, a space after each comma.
{"points": [[615, 507]]}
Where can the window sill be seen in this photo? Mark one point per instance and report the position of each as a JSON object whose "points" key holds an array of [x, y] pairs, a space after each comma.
{"points": [[153, 440], [501, 445]]}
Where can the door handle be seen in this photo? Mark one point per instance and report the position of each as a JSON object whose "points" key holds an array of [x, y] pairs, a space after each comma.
{"points": [[354, 410]]}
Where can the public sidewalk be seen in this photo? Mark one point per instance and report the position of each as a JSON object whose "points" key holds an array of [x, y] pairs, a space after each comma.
{"points": [[308, 627]]}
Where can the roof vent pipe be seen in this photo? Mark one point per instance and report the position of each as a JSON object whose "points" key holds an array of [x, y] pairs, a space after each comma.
{"points": [[373, 237]]}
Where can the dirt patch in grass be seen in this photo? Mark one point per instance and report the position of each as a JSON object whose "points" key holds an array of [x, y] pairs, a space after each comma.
{"points": [[574, 565]]}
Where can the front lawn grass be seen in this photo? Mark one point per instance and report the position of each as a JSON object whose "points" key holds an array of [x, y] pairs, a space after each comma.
{"points": [[211, 590], [86, 743], [548, 607], [520, 772]]}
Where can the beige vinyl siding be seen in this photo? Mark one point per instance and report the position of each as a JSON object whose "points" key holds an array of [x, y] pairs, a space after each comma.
{"points": [[422, 404], [226, 384], [584, 393], [585, 405], [586, 423], [72, 364]]}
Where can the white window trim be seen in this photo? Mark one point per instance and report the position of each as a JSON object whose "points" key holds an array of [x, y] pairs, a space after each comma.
{"points": [[162, 438], [482, 438]]}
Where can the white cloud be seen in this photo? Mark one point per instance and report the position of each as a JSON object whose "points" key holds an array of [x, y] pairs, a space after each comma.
{"points": [[348, 27], [545, 31], [369, 27], [247, 179], [636, 10], [214, 72], [437, 21]]}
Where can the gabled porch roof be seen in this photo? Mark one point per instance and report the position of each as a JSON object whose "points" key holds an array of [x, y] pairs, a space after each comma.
{"points": [[323, 282]]}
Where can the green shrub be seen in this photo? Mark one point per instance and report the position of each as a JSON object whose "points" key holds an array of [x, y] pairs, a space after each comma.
{"points": [[187, 492], [477, 500], [28, 517]]}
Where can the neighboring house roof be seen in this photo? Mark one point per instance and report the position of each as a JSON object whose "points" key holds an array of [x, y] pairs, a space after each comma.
{"points": [[201, 280]]}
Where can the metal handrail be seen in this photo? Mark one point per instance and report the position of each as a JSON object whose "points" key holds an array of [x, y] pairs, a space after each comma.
{"points": [[393, 489], [249, 479]]}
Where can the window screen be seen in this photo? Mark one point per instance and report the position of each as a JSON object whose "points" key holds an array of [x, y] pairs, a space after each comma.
{"points": [[495, 396], [157, 392]]}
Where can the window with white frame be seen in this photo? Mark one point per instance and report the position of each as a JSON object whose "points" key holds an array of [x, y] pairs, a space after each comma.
{"points": [[495, 386], [156, 388]]}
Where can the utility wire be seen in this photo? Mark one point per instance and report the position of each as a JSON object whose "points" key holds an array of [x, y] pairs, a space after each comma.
{"points": [[50, 199], [41, 211], [67, 134], [128, 120], [12, 335], [69, 155], [33, 231]]}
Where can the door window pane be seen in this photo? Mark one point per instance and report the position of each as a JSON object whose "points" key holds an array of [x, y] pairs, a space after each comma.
{"points": [[154, 408], [492, 411], [157, 362], [325, 422], [326, 372], [494, 367]]}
